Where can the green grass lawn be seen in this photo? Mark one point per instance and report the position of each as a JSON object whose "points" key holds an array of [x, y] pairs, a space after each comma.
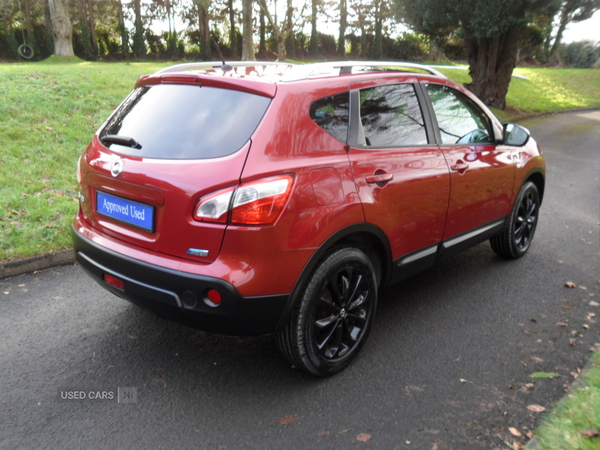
{"points": [[545, 90], [51, 109], [575, 422]]}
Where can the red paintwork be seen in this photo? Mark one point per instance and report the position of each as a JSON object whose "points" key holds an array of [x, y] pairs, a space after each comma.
{"points": [[422, 204]]}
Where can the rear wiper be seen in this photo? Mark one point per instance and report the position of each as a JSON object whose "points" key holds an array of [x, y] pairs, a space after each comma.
{"points": [[120, 140]]}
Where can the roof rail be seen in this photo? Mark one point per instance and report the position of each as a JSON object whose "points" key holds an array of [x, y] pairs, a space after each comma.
{"points": [[303, 71], [205, 65], [308, 70]]}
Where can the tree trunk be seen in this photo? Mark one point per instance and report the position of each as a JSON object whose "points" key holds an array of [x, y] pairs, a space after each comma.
{"points": [[85, 29], [343, 24], [314, 34], [248, 36], [289, 43], [123, 31], [562, 26], [204, 28], [232, 33], [262, 46], [62, 31], [491, 63], [93, 28], [139, 44], [378, 39]]}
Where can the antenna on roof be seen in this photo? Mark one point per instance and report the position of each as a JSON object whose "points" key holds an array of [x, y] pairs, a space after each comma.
{"points": [[225, 67]]}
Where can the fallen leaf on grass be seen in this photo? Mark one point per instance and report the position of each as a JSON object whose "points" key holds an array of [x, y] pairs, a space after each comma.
{"points": [[589, 433], [536, 408], [514, 431], [288, 420], [363, 437]]}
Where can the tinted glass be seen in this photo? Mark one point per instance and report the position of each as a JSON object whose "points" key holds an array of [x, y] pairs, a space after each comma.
{"points": [[391, 116], [186, 122], [331, 114], [460, 121]]}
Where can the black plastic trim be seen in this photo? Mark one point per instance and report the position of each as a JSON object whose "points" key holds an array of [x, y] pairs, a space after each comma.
{"points": [[463, 241], [164, 291]]}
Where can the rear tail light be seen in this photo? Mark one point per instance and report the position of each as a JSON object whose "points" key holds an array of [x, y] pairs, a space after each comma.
{"points": [[255, 203]]}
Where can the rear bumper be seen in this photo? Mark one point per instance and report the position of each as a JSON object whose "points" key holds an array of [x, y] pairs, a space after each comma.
{"points": [[180, 296]]}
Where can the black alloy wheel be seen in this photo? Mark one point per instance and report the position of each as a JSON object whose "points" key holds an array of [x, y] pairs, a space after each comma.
{"points": [[334, 315], [516, 239]]}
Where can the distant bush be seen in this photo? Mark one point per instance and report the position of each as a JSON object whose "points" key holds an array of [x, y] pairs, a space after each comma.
{"points": [[409, 47], [582, 55]]}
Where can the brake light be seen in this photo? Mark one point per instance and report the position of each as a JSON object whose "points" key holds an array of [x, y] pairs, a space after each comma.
{"points": [[260, 202], [255, 203]]}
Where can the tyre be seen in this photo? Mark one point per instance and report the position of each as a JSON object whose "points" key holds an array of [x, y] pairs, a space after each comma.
{"points": [[514, 242], [334, 314]]}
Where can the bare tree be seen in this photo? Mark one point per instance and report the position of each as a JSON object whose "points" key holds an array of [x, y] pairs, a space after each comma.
{"points": [[62, 30], [280, 33]]}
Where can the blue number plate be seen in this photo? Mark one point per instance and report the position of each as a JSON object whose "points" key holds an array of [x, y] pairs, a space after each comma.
{"points": [[126, 211]]}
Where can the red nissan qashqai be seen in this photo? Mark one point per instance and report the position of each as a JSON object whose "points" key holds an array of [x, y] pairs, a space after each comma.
{"points": [[256, 198]]}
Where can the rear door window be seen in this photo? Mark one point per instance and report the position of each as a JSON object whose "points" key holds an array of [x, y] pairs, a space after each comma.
{"points": [[331, 114], [184, 122], [391, 117]]}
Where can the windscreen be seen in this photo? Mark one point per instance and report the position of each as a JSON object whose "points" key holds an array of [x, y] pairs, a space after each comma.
{"points": [[183, 122]]}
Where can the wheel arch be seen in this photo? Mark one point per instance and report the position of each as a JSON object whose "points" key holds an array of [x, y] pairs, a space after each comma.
{"points": [[366, 237], [538, 178]]}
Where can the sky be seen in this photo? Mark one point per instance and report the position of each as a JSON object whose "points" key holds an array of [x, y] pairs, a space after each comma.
{"points": [[588, 30]]}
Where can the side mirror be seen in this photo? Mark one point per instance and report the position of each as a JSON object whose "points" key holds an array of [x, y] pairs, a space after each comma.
{"points": [[515, 135]]}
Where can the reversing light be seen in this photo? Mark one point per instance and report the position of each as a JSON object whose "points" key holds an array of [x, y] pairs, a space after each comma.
{"points": [[113, 281], [255, 203], [215, 207]]}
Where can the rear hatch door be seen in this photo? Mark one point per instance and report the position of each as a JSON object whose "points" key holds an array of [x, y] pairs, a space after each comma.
{"points": [[166, 147]]}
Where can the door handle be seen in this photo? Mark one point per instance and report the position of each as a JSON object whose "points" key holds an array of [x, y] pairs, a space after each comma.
{"points": [[380, 179], [460, 166]]}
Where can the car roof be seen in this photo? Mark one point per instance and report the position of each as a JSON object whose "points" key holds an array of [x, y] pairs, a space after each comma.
{"points": [[262, 77]]}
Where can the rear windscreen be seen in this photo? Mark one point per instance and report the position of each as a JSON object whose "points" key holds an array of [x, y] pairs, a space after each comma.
{"points": [[183, 122]]}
